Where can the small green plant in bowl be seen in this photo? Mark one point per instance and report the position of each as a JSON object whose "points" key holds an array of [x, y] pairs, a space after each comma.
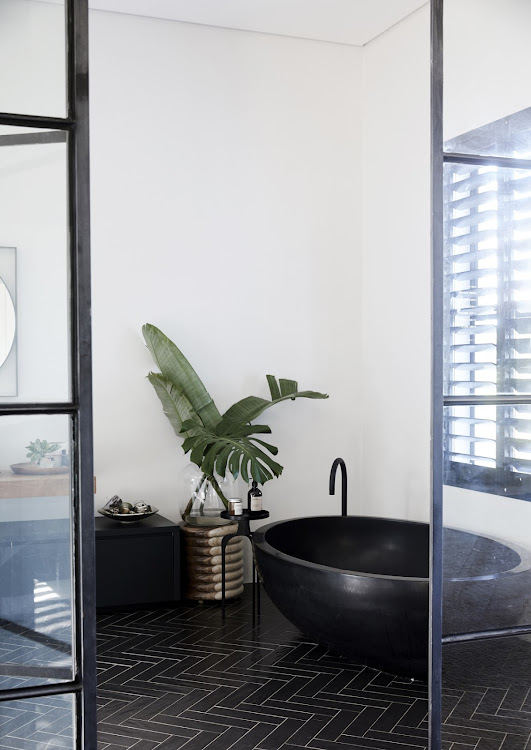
{"points": [[40, 451]]}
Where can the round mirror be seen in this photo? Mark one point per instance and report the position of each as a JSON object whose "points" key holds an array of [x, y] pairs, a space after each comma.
{"points": [[7, 322]]}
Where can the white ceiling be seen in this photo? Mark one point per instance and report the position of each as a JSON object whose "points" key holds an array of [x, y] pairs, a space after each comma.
{"points": [[353, 22]]}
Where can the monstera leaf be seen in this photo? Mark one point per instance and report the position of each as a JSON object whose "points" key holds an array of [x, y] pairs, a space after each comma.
{"points": [[216, 443], [240, 452]]}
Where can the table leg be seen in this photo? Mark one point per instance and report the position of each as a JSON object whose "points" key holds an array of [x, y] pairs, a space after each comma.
{"points": [[257, 593], [224, 541], [253, 585]]}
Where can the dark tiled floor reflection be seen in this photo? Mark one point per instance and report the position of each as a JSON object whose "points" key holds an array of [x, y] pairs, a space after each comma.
{"points": [[38, 723], [40, 654], [180, 678], [487, 694]]}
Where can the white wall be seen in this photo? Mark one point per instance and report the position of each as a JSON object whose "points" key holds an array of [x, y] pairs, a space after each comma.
{"points": [[32, 58], [228, 196], [226, 209], [487, 63], [227, 192], [396, 273], [492, 515]]}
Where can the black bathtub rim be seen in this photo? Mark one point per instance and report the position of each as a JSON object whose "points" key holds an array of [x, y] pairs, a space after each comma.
{"points": [[259, 540], [264, 546]]}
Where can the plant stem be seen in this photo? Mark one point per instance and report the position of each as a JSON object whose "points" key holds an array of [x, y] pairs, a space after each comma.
{"points": [[217, 488], [213, 481], [194, 493]]}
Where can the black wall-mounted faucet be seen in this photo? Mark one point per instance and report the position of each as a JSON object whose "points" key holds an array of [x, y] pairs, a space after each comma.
{"points": [[332, 483]]}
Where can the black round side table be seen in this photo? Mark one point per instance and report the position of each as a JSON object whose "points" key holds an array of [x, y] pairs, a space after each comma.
{"points": [[243, 520]]}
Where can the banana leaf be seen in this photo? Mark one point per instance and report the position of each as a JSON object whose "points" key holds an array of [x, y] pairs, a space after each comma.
{"points": [[175, 405], [244, 411], [176, 369], [216, 444]]}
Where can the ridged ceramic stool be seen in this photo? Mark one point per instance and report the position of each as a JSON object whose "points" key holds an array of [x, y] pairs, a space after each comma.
{"points": [[202, 562]]}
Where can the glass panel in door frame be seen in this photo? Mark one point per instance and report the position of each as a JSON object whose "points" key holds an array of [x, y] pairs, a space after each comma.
{"points": [[506, 395], [80, 691]]}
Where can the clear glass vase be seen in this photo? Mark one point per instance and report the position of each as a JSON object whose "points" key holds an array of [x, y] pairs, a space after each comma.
{"points": [[200, 504]]}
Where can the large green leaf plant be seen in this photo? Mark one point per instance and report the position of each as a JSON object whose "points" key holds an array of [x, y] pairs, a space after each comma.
{"points": [[216, 443]]}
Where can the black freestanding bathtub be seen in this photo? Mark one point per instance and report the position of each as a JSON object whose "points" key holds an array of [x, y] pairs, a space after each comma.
{"points": [[360, 585]]}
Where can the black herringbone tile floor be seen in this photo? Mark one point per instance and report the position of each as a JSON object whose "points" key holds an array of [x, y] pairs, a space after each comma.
{"points": [[487, 694], [184, 678]]}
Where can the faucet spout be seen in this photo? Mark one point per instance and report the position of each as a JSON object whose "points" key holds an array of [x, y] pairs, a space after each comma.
{"points": [[332, 483]]}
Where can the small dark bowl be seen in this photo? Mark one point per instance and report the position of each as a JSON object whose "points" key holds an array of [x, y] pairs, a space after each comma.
{"points": [[127, 517]]}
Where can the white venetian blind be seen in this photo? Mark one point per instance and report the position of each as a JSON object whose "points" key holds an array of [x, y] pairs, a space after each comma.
{"points": [[488, 321]]}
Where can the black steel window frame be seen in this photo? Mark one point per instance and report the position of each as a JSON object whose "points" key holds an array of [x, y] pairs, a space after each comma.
{"points": [[75, 127], [439, 400]]}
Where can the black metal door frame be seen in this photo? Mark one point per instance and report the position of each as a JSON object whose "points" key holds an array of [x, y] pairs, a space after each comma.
{"points": [[437, 409], [439, 401], [75, 128], [435, 656]]}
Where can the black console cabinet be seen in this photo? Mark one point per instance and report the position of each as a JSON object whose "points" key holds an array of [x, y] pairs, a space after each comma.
{"points": [[137, 563]]}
